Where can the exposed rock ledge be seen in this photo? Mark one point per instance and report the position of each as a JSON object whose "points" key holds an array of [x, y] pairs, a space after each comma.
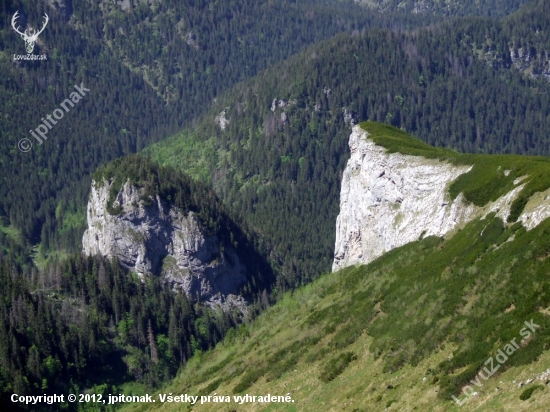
{"points": [[388, 200], [161, 240]]}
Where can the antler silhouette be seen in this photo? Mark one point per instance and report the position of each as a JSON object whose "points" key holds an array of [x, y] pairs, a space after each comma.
{"points": [[47, 19], [13, 22]]}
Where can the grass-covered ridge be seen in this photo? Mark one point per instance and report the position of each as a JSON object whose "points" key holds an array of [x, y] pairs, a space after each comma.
{"points": [[490, 177], [367, 336]]}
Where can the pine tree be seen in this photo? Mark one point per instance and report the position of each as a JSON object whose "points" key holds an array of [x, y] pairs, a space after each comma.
{"points": [[152, 344]]}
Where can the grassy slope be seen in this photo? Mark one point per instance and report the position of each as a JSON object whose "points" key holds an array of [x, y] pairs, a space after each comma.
{"points": [[366, 337], [435, 308]]}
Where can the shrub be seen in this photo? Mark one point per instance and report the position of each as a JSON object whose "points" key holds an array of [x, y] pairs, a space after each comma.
{"points": [[336, 366], [527, 393], [212, 386]]}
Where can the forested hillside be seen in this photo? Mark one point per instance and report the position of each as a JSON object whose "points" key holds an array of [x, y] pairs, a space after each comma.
{"points": [[150, 69], [43, 192], [190, 51], [84, 322], [279, 158]]}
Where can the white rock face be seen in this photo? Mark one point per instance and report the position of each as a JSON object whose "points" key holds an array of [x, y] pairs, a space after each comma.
{"points": [[536, 210], [221, 120], [388, 200], [161, 240]]}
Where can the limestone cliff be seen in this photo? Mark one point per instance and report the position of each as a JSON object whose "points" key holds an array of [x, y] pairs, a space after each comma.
{"points": [[159, 239], [390, 199]]}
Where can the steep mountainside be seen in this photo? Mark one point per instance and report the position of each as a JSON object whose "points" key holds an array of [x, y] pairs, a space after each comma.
{"points": [[278, 159], [389, 199], [156, 222], [466, 316]]}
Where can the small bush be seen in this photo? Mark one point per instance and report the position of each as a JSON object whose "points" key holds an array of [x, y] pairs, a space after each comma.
{"points": [[527, 393], [275, 371], [316, 355], [212, 386], [248, 380], [336, 366]]}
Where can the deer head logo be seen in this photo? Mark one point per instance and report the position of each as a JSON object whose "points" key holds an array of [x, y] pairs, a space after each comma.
{"points": [[32, 36]]}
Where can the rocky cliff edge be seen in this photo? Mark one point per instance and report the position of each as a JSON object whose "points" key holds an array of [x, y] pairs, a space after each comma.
{"points": [[390, 199]]}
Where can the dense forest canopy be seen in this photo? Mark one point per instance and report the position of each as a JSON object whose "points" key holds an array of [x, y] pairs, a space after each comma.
{"points": [[84, 323]]}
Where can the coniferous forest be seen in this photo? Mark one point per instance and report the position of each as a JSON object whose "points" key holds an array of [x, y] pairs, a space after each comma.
{"points": [[290, 78], [85, 323], [44, 191]]}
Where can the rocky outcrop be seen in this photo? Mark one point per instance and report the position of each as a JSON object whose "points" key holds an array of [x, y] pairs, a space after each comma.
{"points": [[63, 7], [281, 104], [390, 199], [125, 5], [278, 104], [192, 40], [160, 240], [221, 120], [533, 66]]}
